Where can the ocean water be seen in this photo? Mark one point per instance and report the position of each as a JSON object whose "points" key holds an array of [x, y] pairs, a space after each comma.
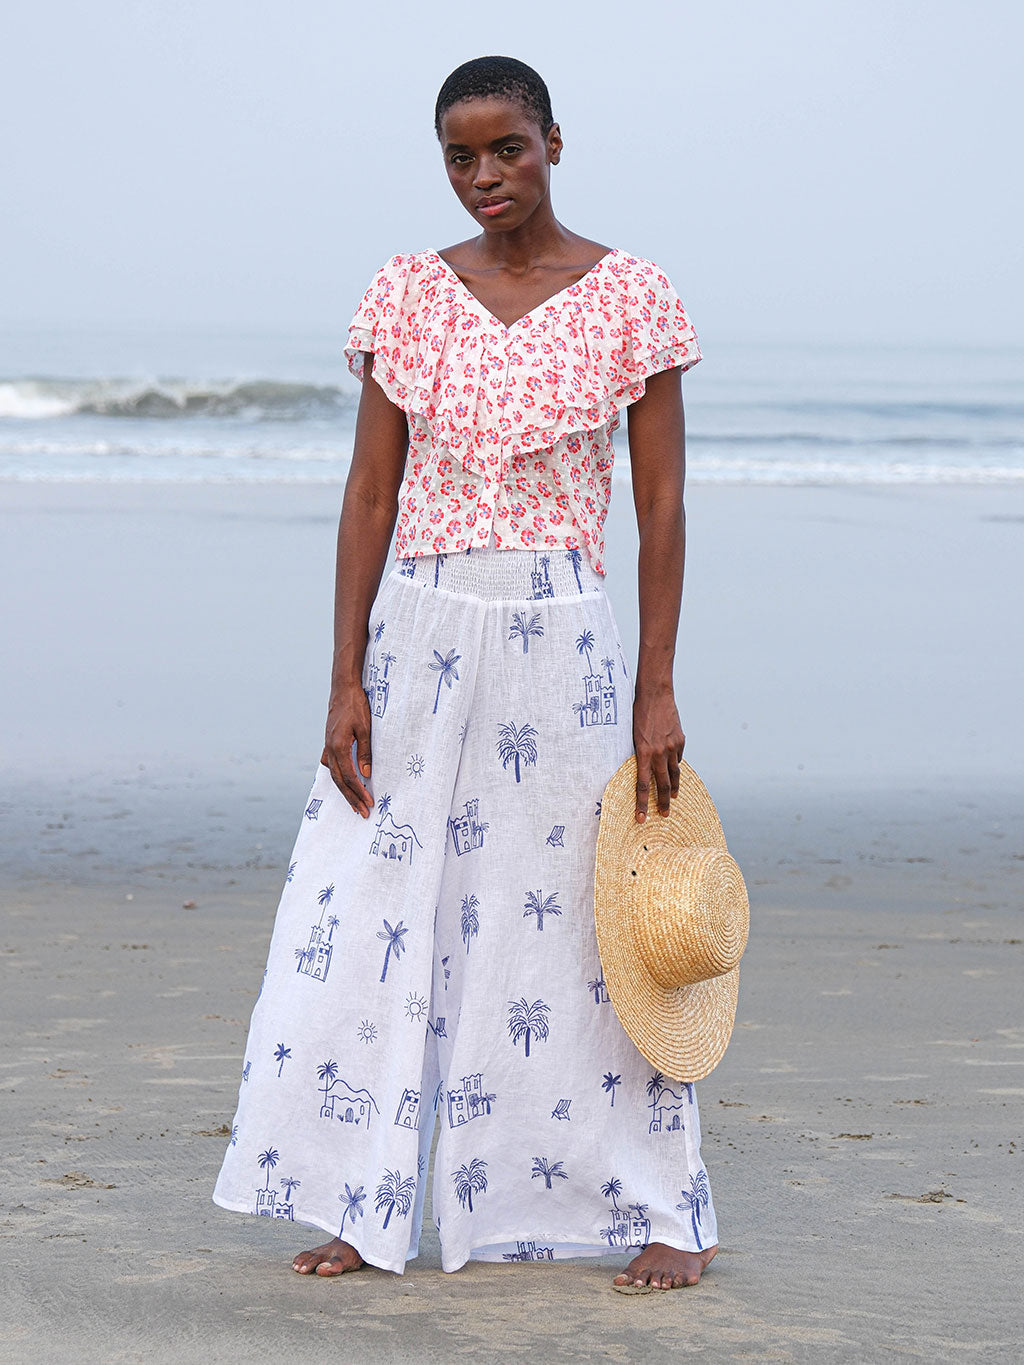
{"points": [[222, 407]]}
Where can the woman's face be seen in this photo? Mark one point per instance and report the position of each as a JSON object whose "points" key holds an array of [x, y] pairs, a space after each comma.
{"points": [[497, 160]]}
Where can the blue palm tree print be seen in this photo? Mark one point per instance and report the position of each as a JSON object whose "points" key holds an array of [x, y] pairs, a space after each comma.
{"points": [[528, 1021], [695, 1198], [267, 1161], [446, 671], [281, 1054], [549, 1170], [584, 644], [353, 1201], [517, 744], [523, 629], [395, 1195], [394, 937], [609, 1084], [470, 919], [470, 1180], [575, 557], [537, 904]]}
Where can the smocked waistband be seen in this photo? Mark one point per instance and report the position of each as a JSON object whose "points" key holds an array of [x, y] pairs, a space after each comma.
{"points": [[490, 573]]}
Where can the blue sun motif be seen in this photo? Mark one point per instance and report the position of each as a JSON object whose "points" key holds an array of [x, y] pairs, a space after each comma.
{"points": [[416, 765], [416, 1006], [367, 1031]]}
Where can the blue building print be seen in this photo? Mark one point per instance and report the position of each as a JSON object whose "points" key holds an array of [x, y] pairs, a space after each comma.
{"points": [[408, 1115], [599, 705], [628, 1227], [408, 566], [468, 1102], [666, 1105], [314, 960], [529, 1251], [468, 830], [266, 1198], [343, 1101], [540, 579], [376, 685], [393, 841]]}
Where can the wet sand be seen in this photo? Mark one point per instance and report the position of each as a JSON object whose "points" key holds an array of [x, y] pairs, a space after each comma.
{"points": [[863, 1132]]}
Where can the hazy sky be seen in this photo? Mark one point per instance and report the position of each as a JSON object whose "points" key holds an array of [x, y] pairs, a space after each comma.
{"points": [[805, 169]]}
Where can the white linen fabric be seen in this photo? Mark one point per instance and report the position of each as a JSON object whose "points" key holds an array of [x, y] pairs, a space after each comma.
{"points": [[438, 961]]}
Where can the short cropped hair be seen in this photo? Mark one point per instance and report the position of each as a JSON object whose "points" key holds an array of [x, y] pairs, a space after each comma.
{"points": [[504, 77]]}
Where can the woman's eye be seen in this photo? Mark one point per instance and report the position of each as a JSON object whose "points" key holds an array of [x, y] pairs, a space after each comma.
{"points": [[511, 148]]}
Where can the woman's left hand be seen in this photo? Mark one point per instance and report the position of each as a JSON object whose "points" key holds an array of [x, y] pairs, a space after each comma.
{"points": [[658, 740]]}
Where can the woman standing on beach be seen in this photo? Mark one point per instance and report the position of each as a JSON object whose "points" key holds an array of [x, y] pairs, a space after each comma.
{"points": [[442, 959]]}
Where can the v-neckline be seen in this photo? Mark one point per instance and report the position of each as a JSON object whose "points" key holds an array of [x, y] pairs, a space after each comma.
{"points": [[508, 327]]}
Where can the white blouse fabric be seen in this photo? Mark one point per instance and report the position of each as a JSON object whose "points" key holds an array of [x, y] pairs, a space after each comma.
{"points": [[510, 428]]}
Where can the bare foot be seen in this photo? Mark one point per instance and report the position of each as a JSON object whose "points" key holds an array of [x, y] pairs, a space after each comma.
{"points": [[664, 1267], [333, 1258]]}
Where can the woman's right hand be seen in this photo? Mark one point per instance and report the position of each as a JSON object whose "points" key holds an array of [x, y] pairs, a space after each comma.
{"points": [[348, 723]]}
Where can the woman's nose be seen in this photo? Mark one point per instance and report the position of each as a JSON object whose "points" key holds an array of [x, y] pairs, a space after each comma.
{"points": [[487, 175]]}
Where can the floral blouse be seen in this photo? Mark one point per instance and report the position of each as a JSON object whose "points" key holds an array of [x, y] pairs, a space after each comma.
{"points": [[510, 428]]}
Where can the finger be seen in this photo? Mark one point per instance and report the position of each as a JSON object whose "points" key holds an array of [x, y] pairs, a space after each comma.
{"points": [[363, 748], [346, 781], [361, 802], [643, 786], [660, 767], [673, 773]]}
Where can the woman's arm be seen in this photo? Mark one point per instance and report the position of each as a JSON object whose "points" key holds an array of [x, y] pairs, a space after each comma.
{"points": [[657, 449], [368, 514]]}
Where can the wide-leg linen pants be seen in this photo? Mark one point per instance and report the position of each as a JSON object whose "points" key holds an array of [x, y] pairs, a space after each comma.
{"points": [[438, 962]]}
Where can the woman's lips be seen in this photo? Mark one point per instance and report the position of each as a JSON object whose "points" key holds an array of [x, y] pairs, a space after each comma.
{"points": [[495, 207]]}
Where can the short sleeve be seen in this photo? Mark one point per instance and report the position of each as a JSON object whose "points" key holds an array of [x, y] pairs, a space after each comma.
{"points": [[380, 304], [661, 333]]}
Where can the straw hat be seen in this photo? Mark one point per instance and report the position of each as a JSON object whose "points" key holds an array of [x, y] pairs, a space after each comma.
{"points": [[672, 917]]}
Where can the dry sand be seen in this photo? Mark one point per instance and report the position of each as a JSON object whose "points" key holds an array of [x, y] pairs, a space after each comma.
{"points": [[863, 1133]]}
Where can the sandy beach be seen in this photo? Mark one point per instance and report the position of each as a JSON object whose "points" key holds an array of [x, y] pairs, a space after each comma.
{"points": [[848, 676]]}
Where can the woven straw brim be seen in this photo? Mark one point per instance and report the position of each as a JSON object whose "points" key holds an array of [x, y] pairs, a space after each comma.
{"points": [[683, 1032]]}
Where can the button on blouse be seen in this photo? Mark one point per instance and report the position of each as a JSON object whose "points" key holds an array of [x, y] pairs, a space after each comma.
{"points": [[510, 428]]}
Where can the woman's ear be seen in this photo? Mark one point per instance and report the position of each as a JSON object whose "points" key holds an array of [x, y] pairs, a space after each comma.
{"points": [[554, 141]]}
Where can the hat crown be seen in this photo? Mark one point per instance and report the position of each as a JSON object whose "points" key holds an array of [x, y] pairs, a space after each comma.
{"points": [[690, 915]]}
